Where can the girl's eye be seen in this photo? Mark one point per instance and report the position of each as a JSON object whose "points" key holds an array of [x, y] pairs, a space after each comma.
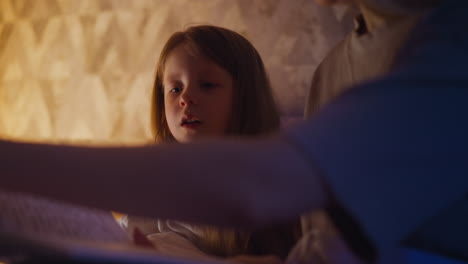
{"points": [[175, 90], [209, 85]]}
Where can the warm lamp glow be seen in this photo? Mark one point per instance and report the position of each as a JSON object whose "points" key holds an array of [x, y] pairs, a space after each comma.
{"points": [[82, 71]]}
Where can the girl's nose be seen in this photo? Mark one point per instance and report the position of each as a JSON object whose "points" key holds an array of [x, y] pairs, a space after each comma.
{"points": [[187, 97]]}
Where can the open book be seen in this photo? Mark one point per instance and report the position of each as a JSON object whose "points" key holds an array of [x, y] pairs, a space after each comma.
{"points": [[40, 217], [37, 230]]}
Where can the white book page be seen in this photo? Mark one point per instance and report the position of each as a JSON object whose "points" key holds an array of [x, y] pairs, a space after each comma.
{"points": [[38, 217]]}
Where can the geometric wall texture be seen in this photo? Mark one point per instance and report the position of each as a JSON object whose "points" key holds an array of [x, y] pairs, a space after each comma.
{"points": [[82, 70]]}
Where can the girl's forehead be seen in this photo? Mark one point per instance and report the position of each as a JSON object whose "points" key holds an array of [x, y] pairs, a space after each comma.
{"points": [[186, 52], [182, 60], [183, 54]]}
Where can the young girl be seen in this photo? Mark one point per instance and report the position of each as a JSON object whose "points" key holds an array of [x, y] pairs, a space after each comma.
{"points": [[211, 82]]}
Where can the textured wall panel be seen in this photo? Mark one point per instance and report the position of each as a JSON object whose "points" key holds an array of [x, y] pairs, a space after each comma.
{"points": [[83, 69]]}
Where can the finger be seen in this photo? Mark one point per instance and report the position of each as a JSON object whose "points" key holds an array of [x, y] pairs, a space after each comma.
{"points": [[140, 239]]}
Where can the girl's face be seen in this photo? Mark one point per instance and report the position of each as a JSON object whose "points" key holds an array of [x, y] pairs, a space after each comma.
{"points": [[197, 96]]}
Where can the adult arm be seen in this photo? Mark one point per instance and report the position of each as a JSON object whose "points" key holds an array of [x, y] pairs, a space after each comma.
{"points": [[226, 182]]}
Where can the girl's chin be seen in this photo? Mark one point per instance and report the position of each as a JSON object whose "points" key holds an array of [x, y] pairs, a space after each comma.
{"points": [[195, 136], [190, 137]]}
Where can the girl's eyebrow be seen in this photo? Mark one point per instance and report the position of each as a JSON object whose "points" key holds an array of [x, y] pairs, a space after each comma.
{"points": [[171, 82], [211, 75], [170, 77], [210, 70]]}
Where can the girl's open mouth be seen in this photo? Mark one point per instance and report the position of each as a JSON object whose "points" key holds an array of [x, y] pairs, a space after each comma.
{"points": [[190, 123]]}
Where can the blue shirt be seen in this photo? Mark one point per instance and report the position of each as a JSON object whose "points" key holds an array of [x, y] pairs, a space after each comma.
{"points": [[395, 151]]}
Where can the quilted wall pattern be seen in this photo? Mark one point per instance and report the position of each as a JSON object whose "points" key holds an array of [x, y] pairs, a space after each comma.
{"points": [[82, 70]]}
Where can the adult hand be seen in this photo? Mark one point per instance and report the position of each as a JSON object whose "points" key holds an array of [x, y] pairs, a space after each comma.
{"points": [[141, 240], [171, 243]]}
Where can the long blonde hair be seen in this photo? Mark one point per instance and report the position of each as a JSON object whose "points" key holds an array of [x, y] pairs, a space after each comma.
{"points": [[254, 109]]}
